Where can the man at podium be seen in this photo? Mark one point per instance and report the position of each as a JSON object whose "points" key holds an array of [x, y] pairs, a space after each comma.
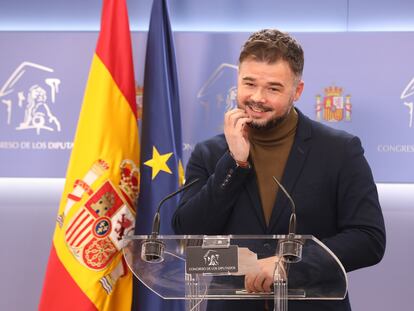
{"points": [[324, 170]]}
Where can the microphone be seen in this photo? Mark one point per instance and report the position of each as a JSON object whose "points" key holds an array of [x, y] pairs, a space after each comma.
{"points": [[292, 221], [291, 248], [153, 249], [157, 217]]}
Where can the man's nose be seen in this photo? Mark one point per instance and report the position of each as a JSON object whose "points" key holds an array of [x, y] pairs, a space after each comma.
{"points": [[258, 95]]}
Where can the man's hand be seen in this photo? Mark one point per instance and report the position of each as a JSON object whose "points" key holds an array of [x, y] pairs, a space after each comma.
{"points": [[235, 131], [261, 278]]}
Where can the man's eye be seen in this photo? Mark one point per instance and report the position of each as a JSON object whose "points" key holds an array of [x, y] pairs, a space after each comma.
{"points": [[274, 89]]}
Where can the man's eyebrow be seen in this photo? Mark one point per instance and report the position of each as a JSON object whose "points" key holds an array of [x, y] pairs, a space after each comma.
{"points": [[248, 79]]}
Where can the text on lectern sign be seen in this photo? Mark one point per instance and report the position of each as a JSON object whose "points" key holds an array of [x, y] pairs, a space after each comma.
{"points": [[212, 260]]}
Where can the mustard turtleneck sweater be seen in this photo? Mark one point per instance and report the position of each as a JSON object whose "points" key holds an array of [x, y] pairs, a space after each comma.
{"points": [[269, 151]]}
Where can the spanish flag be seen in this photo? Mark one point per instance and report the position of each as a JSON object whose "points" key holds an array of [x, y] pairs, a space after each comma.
{"points": [[86, 270]]}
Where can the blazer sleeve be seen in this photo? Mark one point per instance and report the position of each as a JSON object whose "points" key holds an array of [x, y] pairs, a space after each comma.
{"points": [[360, 240], [205, 207]]}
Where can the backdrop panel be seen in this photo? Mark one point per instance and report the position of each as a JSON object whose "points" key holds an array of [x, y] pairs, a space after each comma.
{"points": [[360, 82]]}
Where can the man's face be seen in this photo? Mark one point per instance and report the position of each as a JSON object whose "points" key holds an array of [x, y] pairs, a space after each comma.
{"points": [[267, 91]]}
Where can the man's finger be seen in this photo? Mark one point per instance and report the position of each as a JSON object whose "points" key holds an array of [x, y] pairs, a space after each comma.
{"points": [[232, 112], [248, 282], [241, 122], [234, 115], [258, 283], [267, 285]]}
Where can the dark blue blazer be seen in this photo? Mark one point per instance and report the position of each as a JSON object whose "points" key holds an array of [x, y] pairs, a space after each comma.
{"points": [[330, 181]]}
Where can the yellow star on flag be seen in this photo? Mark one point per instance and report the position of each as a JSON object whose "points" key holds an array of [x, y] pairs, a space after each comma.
{"points": [[158, 162]]}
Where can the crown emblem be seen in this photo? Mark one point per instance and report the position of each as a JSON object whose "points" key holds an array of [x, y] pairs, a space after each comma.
{"points": [[129, 183], [333, 107], [333, 91]]}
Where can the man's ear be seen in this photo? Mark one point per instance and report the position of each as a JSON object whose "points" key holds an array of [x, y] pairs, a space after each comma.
{"points": [[299, 90]]}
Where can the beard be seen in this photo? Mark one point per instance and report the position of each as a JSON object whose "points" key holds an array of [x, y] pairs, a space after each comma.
{"points": [[269, 124]]}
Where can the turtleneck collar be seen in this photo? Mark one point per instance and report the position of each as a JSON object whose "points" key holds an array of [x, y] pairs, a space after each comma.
{"points": [[277, 134]]}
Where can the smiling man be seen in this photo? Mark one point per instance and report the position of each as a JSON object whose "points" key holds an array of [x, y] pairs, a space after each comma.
{"points": [[323, 169]]}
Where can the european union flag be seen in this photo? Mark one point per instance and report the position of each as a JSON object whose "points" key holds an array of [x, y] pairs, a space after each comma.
{"points": [[161, 148]]}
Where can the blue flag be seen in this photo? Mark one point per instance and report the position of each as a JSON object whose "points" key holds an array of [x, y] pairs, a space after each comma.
{"points": [[161, 147]]}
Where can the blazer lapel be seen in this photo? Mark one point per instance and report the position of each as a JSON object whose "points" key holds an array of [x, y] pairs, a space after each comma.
{"points": [[297, 158]]}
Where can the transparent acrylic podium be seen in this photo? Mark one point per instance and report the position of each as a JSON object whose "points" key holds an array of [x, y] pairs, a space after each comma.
{"points": [[198, 268]]}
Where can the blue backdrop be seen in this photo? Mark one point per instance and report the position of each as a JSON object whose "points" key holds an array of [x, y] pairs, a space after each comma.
{"points": [[364, 77]]}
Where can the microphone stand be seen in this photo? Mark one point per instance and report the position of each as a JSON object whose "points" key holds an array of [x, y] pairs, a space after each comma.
{"points": [[290, 251], [153, 248], [291, 247]]}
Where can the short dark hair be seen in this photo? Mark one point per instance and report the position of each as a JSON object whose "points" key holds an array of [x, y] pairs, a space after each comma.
{"points": [[271, 45]]}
